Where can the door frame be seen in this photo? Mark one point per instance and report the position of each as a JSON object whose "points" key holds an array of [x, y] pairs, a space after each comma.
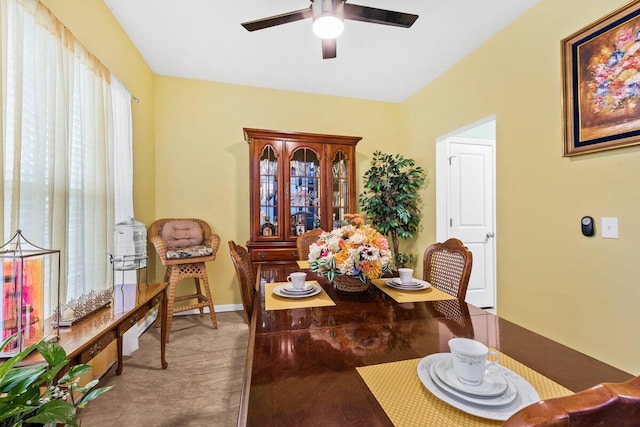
{"points": [[442, 186]]}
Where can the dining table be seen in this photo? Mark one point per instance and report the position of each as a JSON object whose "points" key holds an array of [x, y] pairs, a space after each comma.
{"points": [[351, 359]]}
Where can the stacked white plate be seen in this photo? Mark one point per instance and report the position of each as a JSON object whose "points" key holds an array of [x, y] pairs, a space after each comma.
{"points": [[414, 285], [288, 291], [501, 394]]}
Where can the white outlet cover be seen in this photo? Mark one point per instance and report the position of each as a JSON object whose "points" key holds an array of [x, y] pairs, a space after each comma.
{"points": [[609, 228]]}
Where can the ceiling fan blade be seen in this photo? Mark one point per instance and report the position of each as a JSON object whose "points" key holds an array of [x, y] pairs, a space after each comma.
{"points": [[283, 18], [378, 16], [329, 47]]}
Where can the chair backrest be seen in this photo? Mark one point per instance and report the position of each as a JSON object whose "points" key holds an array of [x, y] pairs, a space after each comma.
{"points": [[607, 404], [305, 240], [246, 278], [447, 266], [209, 240]]}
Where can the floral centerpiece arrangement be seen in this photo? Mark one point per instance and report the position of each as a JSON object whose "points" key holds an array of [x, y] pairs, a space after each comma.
{"points": [[353, 252]]}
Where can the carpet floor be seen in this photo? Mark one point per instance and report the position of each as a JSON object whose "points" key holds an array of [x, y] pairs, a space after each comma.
{"points": [[201, 386]]}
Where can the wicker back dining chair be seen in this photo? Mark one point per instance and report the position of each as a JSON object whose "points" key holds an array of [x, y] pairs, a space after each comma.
{"points": [[606, 404], [246, 277], [184, 245], [447, 266], [305, 240]]}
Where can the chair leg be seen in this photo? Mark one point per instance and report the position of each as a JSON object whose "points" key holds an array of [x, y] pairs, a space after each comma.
{"points": [[199, 292], [212, 311]]}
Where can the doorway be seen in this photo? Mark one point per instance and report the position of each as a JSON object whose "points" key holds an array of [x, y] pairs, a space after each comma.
{"points": [[465, 202]]}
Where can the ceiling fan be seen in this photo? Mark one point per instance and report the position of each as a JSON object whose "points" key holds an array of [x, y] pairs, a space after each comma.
{"points": [[328, 20]]}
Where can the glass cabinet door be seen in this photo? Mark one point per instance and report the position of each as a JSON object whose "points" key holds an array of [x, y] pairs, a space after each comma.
{"points": [[340, 188], [269, 193], [304, 191], [297, 182]]}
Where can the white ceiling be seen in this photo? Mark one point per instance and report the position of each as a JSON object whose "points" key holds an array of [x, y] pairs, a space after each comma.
{"points": [[203, 39]]}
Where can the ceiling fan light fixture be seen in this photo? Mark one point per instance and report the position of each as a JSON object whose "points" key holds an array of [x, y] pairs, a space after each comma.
{"points": [[328, 26], [328, 18]]}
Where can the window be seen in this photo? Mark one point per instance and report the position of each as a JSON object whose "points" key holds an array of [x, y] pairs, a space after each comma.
{"points": [[65, 120]]}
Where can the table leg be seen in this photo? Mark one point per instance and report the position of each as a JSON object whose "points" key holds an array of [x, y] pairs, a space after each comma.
{"points": [[119, 344], [163, 329]]}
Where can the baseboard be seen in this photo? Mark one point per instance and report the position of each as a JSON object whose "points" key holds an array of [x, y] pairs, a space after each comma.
{"points": [[218, 308], [130, 338], [148, 320]]}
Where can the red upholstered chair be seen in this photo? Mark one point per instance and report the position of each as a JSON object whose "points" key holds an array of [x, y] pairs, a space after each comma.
{"points": [[607, 404], [447, 266], [184, 245]]}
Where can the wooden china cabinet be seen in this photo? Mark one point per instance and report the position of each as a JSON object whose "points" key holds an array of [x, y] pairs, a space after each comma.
{"points": [[298, 181]]}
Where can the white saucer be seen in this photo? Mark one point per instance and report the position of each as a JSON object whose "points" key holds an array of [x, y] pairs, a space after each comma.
{"points": [[508, 396], [416, 285], [414, 282], [289, 289], [279, 290], [526, 394], [493, 384]]}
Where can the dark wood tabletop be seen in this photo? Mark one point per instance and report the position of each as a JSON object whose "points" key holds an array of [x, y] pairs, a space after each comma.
{"points": [[300, 367]]}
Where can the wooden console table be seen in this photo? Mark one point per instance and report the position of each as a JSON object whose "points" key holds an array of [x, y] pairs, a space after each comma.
{"points": [[86, 339]]}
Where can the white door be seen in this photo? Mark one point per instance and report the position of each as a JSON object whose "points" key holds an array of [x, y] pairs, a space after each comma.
{"points": [[470, 209]]}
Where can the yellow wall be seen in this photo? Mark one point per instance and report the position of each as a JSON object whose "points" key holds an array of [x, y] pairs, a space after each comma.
{"points": [[580, 291], [202, 159]]}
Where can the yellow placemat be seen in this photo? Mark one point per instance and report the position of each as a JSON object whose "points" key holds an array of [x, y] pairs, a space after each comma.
{"points": [[407, 402], [275, 302], [304, 263], [429, 294]]}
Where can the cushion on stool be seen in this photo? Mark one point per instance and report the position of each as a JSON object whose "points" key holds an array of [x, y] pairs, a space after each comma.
{"points": [[189, 252], [181, 234]]}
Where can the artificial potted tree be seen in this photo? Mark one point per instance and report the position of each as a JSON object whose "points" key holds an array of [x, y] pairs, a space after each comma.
{"points": [[43, 394], [391, 199]]}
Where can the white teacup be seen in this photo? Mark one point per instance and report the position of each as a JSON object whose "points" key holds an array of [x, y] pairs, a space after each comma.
{"points": [[297, 279], [406, 275], [470, 359]]}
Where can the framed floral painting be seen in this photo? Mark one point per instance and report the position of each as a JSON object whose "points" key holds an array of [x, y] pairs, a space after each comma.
{"points": [[601, 76]]}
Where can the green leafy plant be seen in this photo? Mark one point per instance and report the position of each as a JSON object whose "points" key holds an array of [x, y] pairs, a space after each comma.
{"points": [[34, 395], [391, 199]]}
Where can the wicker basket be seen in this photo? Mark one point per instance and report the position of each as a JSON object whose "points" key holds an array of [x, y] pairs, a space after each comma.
{"points": [[350, 284]]}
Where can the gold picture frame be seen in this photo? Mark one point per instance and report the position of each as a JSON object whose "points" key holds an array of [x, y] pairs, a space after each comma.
{"points": [[601, 83]]}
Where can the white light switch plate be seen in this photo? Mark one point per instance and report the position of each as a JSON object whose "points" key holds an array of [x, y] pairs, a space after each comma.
{"points": [[609, 227]]}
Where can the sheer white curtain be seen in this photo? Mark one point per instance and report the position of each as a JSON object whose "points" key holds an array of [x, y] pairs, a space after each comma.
{"points": [[64, 121], [123, 156], [123, 160]]}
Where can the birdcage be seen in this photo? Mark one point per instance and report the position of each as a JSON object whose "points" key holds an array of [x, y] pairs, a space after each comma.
{"points": [[30, 274]]}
